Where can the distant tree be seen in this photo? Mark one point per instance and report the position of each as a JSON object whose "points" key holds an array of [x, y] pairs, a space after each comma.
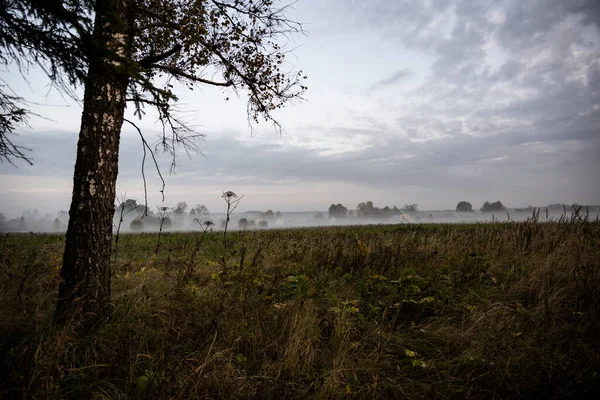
{"points": [[192, 213], [365, 209], [243, 223], [152, 222], [491, 207], [201, 209], [386, 212], [268, 215], [136, 225], [263, 224], [319, 216], [337, 211], [56, 225], [124, 207], [557, 207], [410, 208], [180, 208], [464, 206], [278, 215], [127, 205], [368, 210], [143, 210]]}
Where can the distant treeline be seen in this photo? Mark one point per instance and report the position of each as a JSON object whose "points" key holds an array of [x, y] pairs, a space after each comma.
{"points": [[136, 217]]}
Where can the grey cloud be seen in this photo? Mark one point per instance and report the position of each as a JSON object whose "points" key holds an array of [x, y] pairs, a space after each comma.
{"points": [[512, 123], [392, 79], [544, 160]]}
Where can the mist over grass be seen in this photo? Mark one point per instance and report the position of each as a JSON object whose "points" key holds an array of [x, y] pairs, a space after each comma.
{"points": [[184, 222]]}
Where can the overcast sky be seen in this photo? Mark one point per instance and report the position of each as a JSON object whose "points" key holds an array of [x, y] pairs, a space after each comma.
{"points": [[429, 102]]}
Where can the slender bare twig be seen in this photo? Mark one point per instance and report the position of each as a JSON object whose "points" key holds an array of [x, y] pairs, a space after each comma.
{"points": [[144, 147]]}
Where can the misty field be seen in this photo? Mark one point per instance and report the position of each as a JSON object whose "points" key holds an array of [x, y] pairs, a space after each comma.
{"points": [[415, 311]]}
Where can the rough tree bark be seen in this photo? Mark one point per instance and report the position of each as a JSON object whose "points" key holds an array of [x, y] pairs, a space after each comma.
{"points": [[84, 290]]}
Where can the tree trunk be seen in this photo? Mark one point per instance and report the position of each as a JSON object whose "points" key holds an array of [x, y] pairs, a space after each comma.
{"points": [[84, 290]]}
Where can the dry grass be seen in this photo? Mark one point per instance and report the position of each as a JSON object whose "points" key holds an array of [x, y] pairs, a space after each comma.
{"points": [[435, 311]]}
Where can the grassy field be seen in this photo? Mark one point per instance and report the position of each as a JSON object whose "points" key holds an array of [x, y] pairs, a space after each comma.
{"points": [[415, 311]]}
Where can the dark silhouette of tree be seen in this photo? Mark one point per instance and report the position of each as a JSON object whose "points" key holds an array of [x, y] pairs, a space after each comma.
{"points": [[181, 207], [242, 223], [319, 216], [127, 205], [368, 210], [464, 206], [410, 208], [201, 209], [365, 209], [337, 211], [267, 215], [136, 225], [491, 207], [386, 212], [120, 51]]}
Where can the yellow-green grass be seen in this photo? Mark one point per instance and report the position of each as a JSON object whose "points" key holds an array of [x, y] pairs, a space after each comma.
{"points": [[418, 311]]}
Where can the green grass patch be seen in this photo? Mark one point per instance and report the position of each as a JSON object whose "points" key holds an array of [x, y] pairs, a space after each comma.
{"points": [[413, 311]]}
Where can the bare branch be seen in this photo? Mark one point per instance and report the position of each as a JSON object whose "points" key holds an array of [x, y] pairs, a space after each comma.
{"points": [[149, 61], [144, 147], [176, 72]]}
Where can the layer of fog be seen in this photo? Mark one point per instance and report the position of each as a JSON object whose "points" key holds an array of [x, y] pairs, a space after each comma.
{"points": [[136, 222]]}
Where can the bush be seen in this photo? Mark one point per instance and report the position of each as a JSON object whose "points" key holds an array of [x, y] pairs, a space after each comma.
{"points": [[136, 225], [464, 206], [337, 211], [490, 207]]}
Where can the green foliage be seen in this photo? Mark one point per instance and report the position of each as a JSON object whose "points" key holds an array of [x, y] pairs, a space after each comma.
{"points": [[236, 44], [417, 311]]}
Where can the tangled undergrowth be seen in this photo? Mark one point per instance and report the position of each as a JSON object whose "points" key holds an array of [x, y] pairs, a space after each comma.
{"points": [[418, 312]]}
